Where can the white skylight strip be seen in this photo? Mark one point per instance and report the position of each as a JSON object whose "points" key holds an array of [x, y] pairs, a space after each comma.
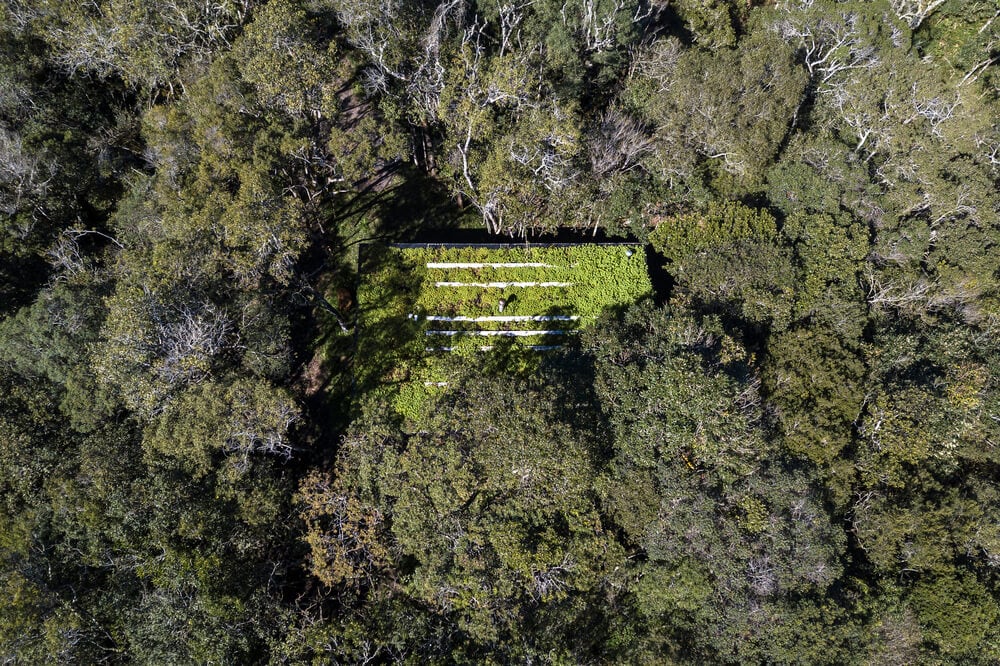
{"points": [[506, 334], [489, 347], [503, 285], [501, 318], [439, 264]]}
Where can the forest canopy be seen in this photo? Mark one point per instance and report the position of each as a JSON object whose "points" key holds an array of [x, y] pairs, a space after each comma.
{"points": [[784, 452]]}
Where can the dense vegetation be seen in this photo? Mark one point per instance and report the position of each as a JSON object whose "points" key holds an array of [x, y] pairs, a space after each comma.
{"points": [[789, 455]]}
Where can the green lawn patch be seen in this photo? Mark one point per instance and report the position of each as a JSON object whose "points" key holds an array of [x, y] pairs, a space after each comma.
{"points": [[425, 311]]}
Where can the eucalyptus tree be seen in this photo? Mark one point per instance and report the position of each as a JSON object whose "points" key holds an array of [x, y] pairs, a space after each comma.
{"points": [[144, 44], [727, 111], [729, 542], [492, 96]]}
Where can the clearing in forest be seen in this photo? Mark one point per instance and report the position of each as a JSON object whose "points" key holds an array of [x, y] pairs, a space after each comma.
{"points": [[425, 309]]}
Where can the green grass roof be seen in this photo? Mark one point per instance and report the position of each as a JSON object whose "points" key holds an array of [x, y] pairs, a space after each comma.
{"points": [[421, 307]]}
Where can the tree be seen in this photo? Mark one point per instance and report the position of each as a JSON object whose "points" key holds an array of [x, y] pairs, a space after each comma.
{"points": [[63, 145], [681, 236], [813, 380], [242, 419], [725, 533], [727, 260], [958, 614], [834, 43], [915, 12], [830, 252], [712, 24], [145, 44], [490, 503], [346, 536], [732, 108]]}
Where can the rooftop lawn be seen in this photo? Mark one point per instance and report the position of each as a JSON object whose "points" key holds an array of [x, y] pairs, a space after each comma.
{"points": [[423, 310]]}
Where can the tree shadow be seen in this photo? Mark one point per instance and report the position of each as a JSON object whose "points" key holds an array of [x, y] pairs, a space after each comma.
{"points": [[352, 240], [390, 330], [404, 202]]}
